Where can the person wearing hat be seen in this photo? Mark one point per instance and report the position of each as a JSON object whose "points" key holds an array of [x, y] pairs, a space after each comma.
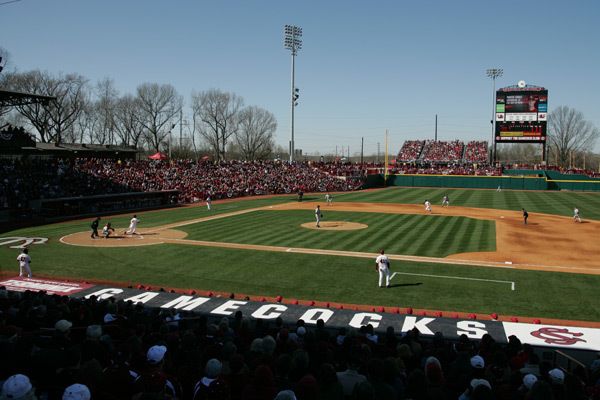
{"points": [[18, 387], [212, 385], [77, 391], [24, 260], [153, 379]]}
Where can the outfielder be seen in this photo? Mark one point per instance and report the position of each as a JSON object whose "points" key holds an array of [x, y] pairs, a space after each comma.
{"points": [[318, 215], [24, 261], [382, 264], [576, 216], [132, 226], [427, 206], [208, 203]]}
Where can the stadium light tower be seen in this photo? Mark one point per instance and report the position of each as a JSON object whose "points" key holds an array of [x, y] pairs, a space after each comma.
{"points": [[493, 73], [293, 42]]}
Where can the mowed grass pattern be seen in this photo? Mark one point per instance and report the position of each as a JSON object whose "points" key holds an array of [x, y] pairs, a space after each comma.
{"points": [[559, 203], [422, 235]]}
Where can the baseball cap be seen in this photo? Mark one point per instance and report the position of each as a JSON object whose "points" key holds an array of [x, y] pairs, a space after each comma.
{"points": [[16, 387], [77, 392], [156, 354], [285, 395], [213, 368], [557, 375], [63, 325], [108, 318], [477, 362], [479, 382], [93, 331], [529, 380], [301, 331]]}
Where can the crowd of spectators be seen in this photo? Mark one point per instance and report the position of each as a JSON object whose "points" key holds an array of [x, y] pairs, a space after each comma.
{"points": [[476, 151], [443, 152], [22, 181], [119, 350], [411, 150], [450, 169]]}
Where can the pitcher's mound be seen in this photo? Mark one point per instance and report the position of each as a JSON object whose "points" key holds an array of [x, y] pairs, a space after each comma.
{"points": [[335, 226]]}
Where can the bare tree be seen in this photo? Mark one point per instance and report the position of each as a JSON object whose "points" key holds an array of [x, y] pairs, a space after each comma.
{"points": [[215, 114], [105, 107], [254, 136], [128, 127], [569, 132], [159, 106], [53, 118]]}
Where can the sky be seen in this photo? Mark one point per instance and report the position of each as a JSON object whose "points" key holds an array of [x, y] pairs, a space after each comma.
{"points": [[365, 66]]}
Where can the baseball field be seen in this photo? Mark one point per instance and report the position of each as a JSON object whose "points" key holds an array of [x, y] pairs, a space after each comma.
{"points": [[475, 256]]}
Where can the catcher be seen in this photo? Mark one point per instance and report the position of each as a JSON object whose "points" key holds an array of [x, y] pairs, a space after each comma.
{"points": [[318, 215]]}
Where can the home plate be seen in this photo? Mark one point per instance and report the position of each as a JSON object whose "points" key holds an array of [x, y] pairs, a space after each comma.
{"points": [[508, 262]]}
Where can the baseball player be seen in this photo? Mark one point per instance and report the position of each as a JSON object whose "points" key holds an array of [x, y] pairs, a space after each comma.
{"points": [[107, 230], [445, 201], [24, 261], [576, 216], [382, 264], [427, 206], [499, 188], [208, 203], [318, 215], [328, 199], [94, 226], [132, 226], [525, 216]]}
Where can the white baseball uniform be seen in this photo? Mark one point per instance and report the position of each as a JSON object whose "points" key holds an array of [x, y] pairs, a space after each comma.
{"points": [[328, 198], [318, 216], [428, 206], [445, 201], [383, 265], [576, 216], [24, 261], [132, 225], [208, 202]]}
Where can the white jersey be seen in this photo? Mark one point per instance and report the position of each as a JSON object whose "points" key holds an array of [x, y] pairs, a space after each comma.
{"points": [[427, 205], [23, 260], [133, 223], [382, 261], [576, 212], [318, 212]]}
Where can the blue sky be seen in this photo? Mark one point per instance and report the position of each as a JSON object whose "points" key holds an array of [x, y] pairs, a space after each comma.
{"points": [[364, 67]]}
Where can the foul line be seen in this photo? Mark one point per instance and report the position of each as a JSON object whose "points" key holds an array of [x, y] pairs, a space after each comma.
{"points": [[512, 283]]}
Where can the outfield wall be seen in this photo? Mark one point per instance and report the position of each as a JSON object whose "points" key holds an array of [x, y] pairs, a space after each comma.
{"points": [[518, 180]]}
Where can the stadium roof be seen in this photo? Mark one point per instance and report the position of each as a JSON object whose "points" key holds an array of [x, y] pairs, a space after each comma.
{"points": [[12, 99]]}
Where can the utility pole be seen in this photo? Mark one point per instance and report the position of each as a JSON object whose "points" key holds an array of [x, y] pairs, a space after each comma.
{"points": [[362, 148], [180, 129], [436, 127], [377, 152]]}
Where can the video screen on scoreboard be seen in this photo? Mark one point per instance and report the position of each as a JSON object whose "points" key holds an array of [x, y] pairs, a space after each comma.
{"points": [[521, 114]]}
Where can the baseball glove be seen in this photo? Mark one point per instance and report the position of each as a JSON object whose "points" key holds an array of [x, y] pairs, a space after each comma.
{"points": [[321, 216]]}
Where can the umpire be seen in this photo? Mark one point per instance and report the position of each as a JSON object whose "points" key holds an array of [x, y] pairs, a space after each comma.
{"points": [[95, 224]]}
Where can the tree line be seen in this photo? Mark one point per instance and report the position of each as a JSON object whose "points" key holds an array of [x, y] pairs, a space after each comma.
{"points": [[220, 122]]}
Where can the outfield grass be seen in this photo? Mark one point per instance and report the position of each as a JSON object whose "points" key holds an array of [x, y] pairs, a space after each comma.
{"points": [[559, 203], [422, 235]]}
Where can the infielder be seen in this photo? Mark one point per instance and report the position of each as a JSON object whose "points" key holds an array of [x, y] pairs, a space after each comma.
{"points": [[328, 199], [318, 215], [576, 216], [382, 264], [107, 230], [132, 226], [208, 203], [24, 261], [427, 206], [445, 201]]}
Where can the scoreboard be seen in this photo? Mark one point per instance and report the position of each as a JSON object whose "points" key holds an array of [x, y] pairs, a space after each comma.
{"points": [[521, 114]]}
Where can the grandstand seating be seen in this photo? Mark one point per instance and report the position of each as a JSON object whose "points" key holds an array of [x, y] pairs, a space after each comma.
{"points": [[109, 346]]}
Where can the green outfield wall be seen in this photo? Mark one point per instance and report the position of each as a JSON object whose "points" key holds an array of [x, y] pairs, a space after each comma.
{"points": [[515, 179]]}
